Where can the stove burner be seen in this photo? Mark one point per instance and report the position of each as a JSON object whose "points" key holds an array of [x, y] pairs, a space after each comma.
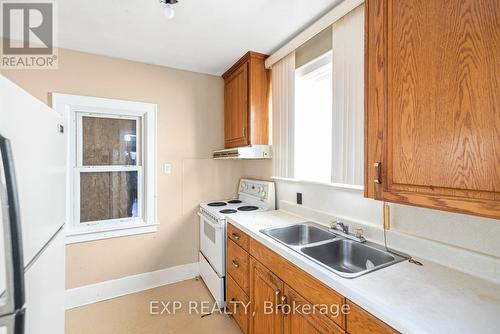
{"points": [[228, 211], [234, 201], [217, 204], [248, 208]]}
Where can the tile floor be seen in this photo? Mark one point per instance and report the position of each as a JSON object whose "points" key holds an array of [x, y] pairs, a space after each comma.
{"points": [[131, 314]]}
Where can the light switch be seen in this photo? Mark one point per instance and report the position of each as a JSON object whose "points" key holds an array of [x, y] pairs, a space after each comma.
{"points": [[167, 168]]}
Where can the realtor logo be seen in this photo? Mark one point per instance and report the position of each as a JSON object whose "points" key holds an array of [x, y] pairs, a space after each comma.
{"points": [[28, 33]]}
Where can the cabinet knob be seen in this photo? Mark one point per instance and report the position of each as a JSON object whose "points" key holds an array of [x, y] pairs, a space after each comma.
{"points": [[236, 236], [284, 302], [236, 264]]}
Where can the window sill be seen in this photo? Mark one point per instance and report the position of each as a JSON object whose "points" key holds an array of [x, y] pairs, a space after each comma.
{"points": [[333, 185], [75, 236]]}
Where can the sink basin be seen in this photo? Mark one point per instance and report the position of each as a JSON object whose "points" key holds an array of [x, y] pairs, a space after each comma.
{"points": [[349, 258], [299, 235], [344, 257]]}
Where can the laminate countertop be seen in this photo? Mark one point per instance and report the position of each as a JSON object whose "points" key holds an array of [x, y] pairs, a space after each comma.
{"points": [[412, 299]]}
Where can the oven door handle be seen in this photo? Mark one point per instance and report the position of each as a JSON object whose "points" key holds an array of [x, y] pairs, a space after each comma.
{"points": [[217, 226]]}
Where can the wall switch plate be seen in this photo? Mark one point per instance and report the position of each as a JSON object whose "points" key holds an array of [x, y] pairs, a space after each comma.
{"points": [[299, 198], [167, 168]]}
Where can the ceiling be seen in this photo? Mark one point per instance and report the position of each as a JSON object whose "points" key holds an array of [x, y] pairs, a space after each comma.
{"points": [[205, 36]]}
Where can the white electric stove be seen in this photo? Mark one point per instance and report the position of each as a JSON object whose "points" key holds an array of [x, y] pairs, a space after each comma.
{"points": [[254, 196]]}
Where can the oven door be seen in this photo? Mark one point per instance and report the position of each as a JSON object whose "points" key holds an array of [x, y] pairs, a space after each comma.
{"points": [[213, 243]]}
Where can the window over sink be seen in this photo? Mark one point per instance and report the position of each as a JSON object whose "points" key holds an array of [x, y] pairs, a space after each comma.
{"points": [[313, 120], [111, 167], [318, 107]]}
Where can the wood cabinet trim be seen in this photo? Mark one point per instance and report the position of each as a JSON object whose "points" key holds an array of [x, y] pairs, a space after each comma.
{"points": [[247, 56]]}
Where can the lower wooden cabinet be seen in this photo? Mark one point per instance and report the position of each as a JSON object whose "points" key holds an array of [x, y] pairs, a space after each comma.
{"points": [[300, 316], [237, 304], [314, 291], [265, 294], [361, 322], [284, 299]]}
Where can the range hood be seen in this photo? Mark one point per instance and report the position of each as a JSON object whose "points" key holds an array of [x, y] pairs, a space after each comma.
{"points": [[245, 152]]}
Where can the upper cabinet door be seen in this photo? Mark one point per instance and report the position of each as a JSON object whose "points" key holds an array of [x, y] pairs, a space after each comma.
{"points": [[236, 108], [432, 104], [246, 102]]}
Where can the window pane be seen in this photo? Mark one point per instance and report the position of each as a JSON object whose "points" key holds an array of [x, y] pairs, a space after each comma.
{"points": [[109, 141], [108, 195], [313, 122]]}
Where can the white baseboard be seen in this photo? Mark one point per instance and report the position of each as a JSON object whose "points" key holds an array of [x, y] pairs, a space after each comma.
{"points": [[94, 293]]}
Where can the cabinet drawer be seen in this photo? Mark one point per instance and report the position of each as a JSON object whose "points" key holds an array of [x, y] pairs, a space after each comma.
{"points": [[237, 304], [240, 238], [238, 264], [361, 322]]}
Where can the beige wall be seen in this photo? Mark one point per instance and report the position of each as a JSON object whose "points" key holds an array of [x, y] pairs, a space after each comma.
{"points": [[190, 127]]}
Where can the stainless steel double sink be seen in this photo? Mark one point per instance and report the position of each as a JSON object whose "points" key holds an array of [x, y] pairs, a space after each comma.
{"points": [[344, 257]]}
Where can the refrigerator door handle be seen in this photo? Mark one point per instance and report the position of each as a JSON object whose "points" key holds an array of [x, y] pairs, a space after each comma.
{"points": [[12, 232], [13, 323]]}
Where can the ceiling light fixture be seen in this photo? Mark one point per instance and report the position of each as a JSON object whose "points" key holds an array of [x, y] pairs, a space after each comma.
{"points": [[169, 8]]}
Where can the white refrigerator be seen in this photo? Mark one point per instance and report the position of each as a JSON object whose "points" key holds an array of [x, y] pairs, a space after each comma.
{"points": [[32, 214]]}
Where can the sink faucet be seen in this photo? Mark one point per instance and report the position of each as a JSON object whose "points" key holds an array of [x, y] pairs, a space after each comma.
{"points": [[341, 229], [344, 227]]}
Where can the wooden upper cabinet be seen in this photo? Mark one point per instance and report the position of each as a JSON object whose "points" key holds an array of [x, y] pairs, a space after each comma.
{"points": [[246, 102], [432, 104]]}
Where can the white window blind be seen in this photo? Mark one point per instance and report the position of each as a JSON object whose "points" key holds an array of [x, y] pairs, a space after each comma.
{"points": [[348, 98], [283, 93], [318, 134]]}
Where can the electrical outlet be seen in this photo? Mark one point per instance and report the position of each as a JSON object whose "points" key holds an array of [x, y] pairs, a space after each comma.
{"points": [[299, 198]]}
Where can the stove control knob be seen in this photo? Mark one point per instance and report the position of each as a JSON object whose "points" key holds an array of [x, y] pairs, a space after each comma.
{"points": [[259, 189], [263, 195]]}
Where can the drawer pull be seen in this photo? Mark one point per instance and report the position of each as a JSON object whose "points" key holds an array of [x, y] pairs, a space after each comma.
{"points": [[236, 264], [236, 236]]}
